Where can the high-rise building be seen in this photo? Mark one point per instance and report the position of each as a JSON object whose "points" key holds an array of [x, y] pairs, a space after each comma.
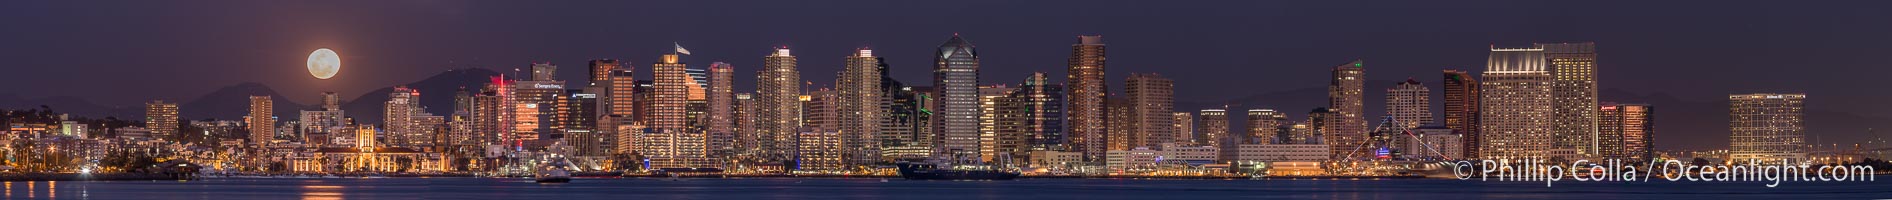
{"points": [[1515, 106], [161, 118], [821, 110], [621, 97], [1153, 98], [778, 105], [989, 98], [1573, 87], [1410, 104], [1346, 129], [1768, 127], [1626, 131], [1264, 127], [744, 141], [601, 71], [1315, 131], [1461, 110], [956, 78], [398, 114], [1214, 127], [1029, 118], [1185, 125], [860, 108], [582, 129], [722, 113], [1119, 116], [903, 131], [535, 104], [819, 151], [262, 120], [1088, 89], [670, 137]]}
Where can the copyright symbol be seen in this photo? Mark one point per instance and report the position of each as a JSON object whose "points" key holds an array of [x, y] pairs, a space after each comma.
{"points": [[1463, 169]]}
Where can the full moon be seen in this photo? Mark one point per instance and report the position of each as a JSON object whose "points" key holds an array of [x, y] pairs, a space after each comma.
{"points": [[323, 63]]}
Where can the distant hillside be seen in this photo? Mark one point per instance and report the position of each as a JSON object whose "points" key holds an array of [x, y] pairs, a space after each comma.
{"points": [[232, 103], [436, 93]]}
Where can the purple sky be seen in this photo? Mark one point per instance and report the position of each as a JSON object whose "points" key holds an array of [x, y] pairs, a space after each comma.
{"points": [[125, 52]]}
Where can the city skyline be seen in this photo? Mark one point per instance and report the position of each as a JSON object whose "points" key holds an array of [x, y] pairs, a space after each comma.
{"points": [[1279, 51], [957, 99]]}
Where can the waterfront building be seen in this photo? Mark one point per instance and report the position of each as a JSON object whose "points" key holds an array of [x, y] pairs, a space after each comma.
{"points": [[1573, 87], [989, 98], [1345, 130], [1152, 98], [399, 112], [1626, 131], [859, 106], [1281, 152], [820, 151], [1031, 118], [1055, 159], [1214, 127], [1086, 79], [1461, 109], [1121, 123], [1265, 126], [1185, 125], [1435, 142], [1516, 106], [956, 79], [1409, 103], [722, 112], [670, 138], [1769, 127], [261, 121], [903, 131], [161, 119], [778, 107]]}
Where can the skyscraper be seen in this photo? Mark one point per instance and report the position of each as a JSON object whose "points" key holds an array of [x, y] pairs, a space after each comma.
{"points": [[722, 113], [1035, 113], [1515, 106], [1264, 127], [1153, 98], [903, 132], [670, 137], [859, 87], [161, 118], [1626, 131], [1346, 129], [1214, 127], [956, 77], [1185, 125], [1573, 87], [745, 125], [1461, 110], [989, 98], [1768, 127], [778, 104], [601, 71], [399, 112], [535, 104], [1088, 87], [1119, 116], [1410, 104], [262, 121]]}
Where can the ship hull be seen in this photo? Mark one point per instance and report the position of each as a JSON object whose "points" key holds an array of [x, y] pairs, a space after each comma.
{"points": [[912, 171]]}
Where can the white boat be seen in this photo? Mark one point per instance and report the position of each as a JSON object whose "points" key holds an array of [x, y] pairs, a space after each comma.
{"points": [[553, 172]]}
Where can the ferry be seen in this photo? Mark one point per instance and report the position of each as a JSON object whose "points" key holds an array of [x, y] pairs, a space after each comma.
{"points": [[553, 172], [941, 171]]}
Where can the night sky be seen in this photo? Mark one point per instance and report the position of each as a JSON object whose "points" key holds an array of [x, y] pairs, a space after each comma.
{"points": [[127, 52]]}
